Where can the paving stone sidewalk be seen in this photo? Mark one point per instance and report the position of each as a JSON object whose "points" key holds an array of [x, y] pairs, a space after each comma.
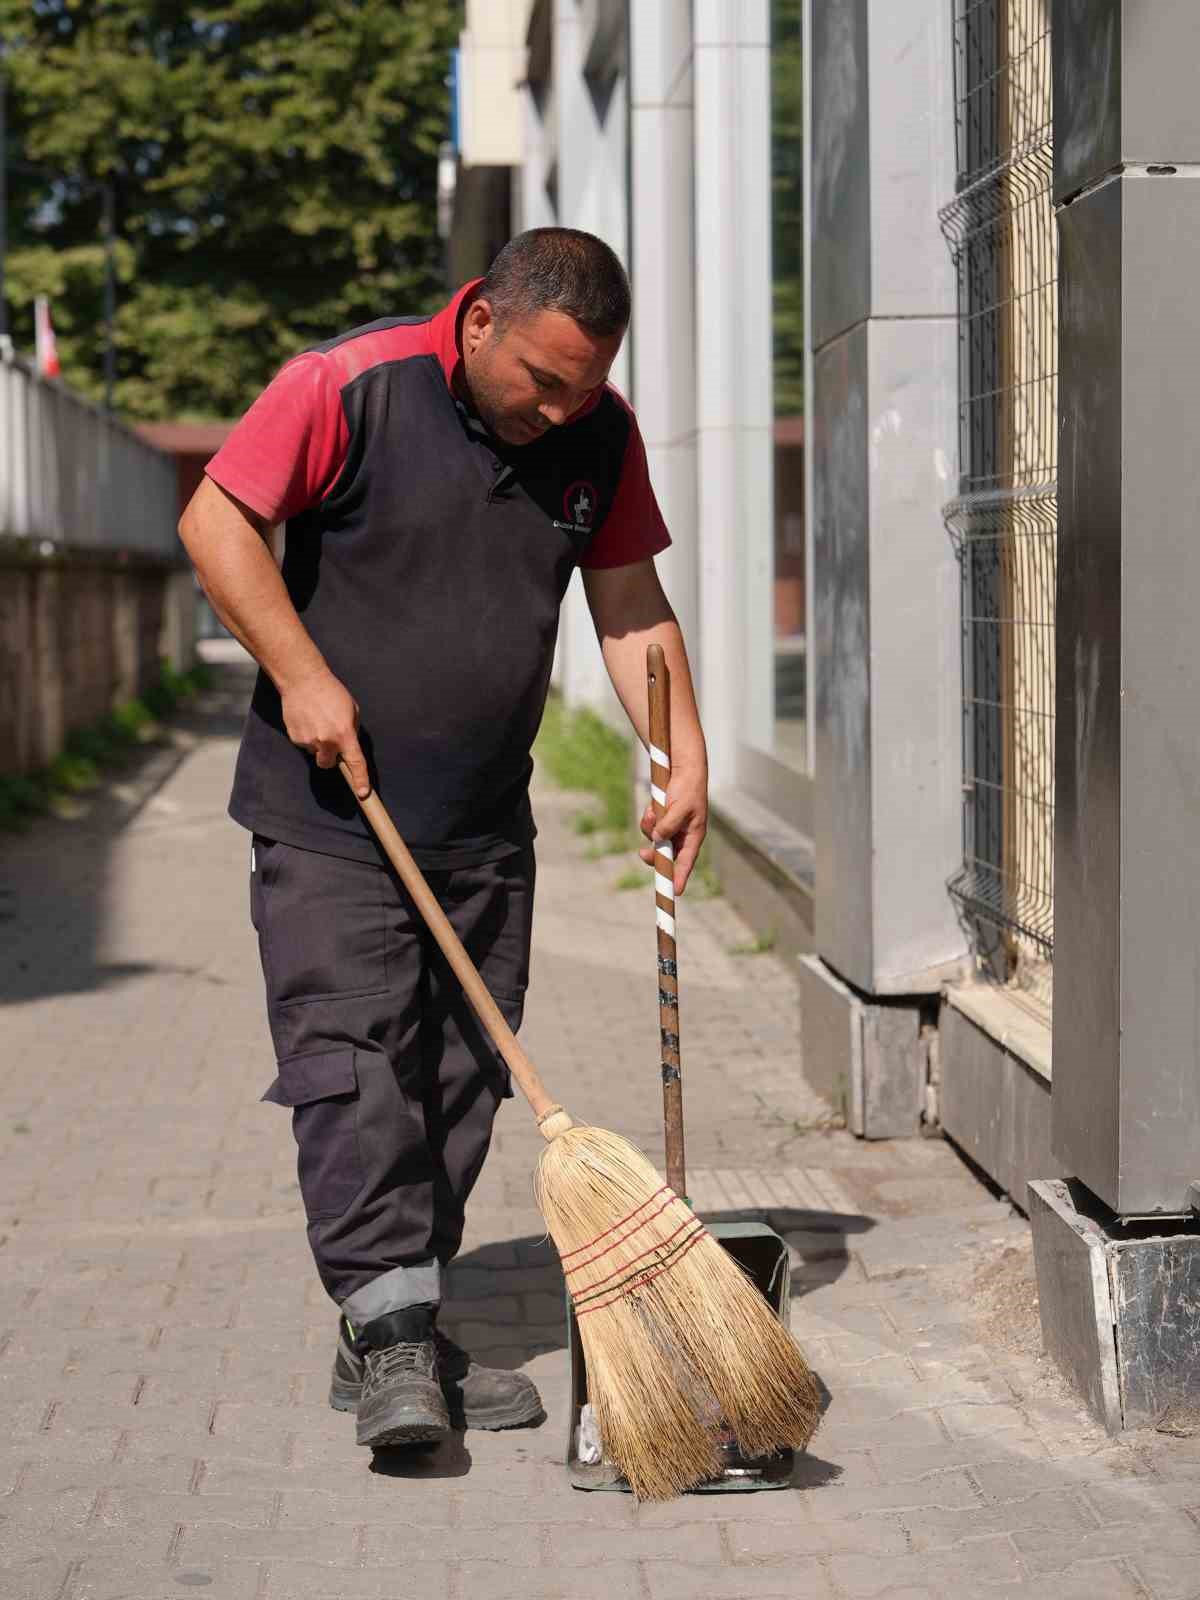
{"points": [[165, 1346]]}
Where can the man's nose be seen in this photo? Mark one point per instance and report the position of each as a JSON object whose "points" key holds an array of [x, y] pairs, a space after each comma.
{"points": [[555, 414]]}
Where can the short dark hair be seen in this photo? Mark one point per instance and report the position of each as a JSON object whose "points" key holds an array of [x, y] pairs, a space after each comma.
{"points": [[559, 269]]}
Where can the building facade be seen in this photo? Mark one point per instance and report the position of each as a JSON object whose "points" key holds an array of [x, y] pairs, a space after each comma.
{"points": [[888, 262]]}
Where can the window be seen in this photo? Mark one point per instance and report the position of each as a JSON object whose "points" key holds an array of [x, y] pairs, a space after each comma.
{"points": [[790, 586], [1004, 520], [775, 546]]}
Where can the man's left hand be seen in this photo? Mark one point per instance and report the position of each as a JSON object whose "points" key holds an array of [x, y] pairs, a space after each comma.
{"points": [[685, 821]]}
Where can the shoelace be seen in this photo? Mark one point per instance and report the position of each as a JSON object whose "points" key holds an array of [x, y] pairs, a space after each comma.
{"points": [[396, 1358]]}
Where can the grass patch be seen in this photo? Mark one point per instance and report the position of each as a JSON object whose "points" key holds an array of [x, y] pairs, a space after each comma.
{"points": [[613, 843], [704, 884], [758, 946], [634, 879], [132, 722], [580, 751], [73, 774], [89, 752]]}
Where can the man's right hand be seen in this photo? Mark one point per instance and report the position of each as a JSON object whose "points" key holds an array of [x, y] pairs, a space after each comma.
{"points": [[321, 716]]}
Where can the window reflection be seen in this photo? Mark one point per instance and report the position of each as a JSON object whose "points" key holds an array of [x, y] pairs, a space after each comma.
{"points": [[790, 597]]}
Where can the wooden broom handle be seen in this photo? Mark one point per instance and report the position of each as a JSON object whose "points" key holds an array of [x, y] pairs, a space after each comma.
{"points": [[552, 1119], [658, 684]]}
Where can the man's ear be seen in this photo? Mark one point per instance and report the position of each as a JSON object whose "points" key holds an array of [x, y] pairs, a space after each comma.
{"points": [[478, 325]]}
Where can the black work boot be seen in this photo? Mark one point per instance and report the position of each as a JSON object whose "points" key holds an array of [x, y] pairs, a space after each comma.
{"points": [[400, 1400], [478, 1397], [484, 1397]]}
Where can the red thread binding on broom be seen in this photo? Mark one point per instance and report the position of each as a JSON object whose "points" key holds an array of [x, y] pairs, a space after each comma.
{"points": [[598, 1292], [615, 1225], [624, 1239], [644, 1278], [657, 1244]]}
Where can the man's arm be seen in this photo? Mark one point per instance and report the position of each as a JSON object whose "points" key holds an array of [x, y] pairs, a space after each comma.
{"points": [[237, 572], [631, 612]]}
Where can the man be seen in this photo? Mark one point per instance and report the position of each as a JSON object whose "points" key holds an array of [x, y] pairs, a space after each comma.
{"points": [[441, 478]]}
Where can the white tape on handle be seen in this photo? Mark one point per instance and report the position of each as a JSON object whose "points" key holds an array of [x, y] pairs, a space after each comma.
{"points": [[664, 886], [666, 848], [660, 758], [658, 794], [665, 920]]}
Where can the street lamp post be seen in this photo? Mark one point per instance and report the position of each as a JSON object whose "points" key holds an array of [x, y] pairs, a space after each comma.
{"points": [[110, 297]]}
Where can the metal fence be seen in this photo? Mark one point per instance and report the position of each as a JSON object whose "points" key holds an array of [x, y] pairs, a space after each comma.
{"points": [[74, 476], [1001, 229]]}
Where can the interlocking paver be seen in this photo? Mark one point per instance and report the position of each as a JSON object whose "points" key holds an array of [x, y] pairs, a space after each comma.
{"points": [[789, 1580], [961, 1571], [614, 1580], [165, 1346], [415, 1580], [1059, 1515], [1165, 1575], [106, 1577], [815, 1536]]}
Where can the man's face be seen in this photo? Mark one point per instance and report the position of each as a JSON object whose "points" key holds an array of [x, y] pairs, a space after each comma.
{"points": [[534, 374]]}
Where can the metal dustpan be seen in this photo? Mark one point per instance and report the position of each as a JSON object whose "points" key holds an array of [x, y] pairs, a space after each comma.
{"points": [[757, 1248]]}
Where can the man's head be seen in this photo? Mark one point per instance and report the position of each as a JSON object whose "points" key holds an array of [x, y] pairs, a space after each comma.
{"points": [[542, 331]]}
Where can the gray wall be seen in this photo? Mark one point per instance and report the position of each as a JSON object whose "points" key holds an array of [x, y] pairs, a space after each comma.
{"points": [[888, 752], [1126, 1104], [1124, 83], [841, 170]]}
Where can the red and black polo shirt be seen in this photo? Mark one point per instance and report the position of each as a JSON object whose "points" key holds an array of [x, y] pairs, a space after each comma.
{"points": [[428, 560]]}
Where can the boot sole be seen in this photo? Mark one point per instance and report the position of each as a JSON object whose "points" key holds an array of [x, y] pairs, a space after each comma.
{"points": [[343, 1396], [496, 1421], [408, 1433], [402, 1425]]}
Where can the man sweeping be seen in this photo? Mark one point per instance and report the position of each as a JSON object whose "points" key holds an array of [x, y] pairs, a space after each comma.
{"points": [[441, 478]]}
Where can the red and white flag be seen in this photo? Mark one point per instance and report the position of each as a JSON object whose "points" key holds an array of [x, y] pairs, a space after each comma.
{"points": [[47, 349]]}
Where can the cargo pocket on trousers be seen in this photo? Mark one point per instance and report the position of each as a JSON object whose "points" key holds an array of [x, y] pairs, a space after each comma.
{"points": [[512, 1009], [323, 1093]]}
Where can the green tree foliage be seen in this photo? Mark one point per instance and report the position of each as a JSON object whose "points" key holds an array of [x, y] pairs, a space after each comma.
{"points": [[274, 172], [787, 192]]}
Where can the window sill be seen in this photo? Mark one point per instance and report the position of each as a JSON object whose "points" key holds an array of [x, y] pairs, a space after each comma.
{"points": [[1005, 1021]]}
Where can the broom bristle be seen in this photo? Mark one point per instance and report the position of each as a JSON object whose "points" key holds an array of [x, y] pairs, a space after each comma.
{"points": [[671, 1326]]}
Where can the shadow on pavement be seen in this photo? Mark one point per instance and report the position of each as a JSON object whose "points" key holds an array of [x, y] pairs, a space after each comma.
{"points": [[515, 1287], [506, 1301], [55, 878], [449, 1459]]}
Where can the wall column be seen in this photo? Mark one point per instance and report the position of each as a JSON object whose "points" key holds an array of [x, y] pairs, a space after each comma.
{"points": [[1118, 1303], [885, 605], [662, 271]]}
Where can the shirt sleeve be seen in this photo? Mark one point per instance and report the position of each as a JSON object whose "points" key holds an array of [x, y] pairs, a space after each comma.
{"points": [[634, 529], [286, 452]]}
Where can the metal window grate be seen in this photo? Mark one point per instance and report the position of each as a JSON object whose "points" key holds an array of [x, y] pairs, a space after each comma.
{"points": [[1000, 227]]}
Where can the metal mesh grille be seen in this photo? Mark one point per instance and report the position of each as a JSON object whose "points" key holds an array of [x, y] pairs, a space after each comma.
{"points": [[1001, 229]]}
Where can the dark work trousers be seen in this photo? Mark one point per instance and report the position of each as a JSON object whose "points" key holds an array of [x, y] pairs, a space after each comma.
{"points": [[392, 1082]]}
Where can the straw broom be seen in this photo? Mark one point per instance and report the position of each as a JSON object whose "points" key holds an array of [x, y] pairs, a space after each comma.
{"points": [[673, 1331], [657, 1291]]}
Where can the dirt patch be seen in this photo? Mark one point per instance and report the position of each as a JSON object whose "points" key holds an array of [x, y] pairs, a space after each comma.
{"points": [[1003, 1298]]}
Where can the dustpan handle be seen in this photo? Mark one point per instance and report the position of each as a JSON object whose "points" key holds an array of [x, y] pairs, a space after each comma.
{"points": [[552, 1119], [658, 684]]}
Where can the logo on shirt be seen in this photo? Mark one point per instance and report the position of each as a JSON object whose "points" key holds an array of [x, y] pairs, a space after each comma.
{"points": [[579, 506]]}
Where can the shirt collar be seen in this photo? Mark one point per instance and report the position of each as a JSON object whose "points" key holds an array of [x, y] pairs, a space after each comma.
{"points": [[445, 340]]}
